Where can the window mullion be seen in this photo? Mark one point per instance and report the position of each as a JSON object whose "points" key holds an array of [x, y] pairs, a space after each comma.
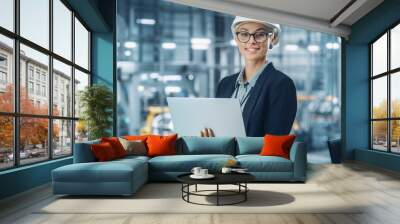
{"points": [[73, 82], [16, 84], [50, 81], [389, 106]]}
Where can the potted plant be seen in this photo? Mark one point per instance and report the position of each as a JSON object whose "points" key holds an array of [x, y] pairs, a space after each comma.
{"points": [[96, 102]]}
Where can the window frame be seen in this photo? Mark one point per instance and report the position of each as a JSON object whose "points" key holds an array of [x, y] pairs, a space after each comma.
{"points": [[16, 114], [388, 74]]}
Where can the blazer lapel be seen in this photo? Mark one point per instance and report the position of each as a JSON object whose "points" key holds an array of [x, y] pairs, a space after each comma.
{"points": [[255, 94], [230, 88]]}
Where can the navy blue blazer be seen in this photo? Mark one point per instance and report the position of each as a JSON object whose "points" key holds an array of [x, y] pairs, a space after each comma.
{"points": [[272, 104]]}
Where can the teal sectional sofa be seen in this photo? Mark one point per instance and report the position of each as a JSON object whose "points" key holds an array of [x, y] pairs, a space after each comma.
{"points": [[125, 176]]}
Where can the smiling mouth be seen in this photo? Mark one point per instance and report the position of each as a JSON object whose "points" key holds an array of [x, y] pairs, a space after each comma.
{"points": [[252, 49]]}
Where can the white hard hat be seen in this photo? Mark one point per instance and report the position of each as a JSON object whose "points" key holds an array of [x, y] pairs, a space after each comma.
{"points": [[275, 27]]}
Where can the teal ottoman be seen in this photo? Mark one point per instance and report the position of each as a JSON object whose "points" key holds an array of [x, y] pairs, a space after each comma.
{"points": [[118, 177]]}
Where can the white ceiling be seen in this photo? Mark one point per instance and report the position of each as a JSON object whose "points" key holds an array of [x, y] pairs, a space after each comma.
{"points": [[316, 15]]}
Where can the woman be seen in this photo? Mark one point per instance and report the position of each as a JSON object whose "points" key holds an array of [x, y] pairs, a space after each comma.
{"points": [[267, 96]]}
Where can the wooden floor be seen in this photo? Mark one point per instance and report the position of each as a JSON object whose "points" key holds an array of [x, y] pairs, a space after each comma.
{"points": [[377, 188]]}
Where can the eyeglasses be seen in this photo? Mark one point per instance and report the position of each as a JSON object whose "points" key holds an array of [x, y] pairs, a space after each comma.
{"points": [[259, 37]]}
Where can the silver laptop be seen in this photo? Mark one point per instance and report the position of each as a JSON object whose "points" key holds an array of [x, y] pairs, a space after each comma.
{"points": [[191, 115]]}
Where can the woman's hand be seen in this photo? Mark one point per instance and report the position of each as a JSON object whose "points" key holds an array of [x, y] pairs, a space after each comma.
{"points": [[207, 132]]}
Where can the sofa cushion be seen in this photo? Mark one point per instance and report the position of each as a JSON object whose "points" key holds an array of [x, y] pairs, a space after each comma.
{"points": [[111, 171], [193, 145], [257, 163], [185, 163], [249, 145]]}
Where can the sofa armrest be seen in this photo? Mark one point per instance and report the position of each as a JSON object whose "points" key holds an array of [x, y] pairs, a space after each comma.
{"points": [[83, 152], [298, 155]]}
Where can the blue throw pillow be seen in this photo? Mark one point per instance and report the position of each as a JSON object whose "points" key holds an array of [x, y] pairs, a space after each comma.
{"points": [[192, 145], [249, 145], [83, 153]]}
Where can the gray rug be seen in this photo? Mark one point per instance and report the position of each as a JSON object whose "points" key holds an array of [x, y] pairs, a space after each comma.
{"points": [[166, 198]]}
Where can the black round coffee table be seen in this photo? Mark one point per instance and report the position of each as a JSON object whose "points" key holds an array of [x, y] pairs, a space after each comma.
{"points": [[238, 179]]}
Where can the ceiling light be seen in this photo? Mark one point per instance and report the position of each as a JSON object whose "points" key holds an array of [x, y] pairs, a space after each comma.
{"points": [[291, 47], [313, 48], [146, 21], [168, 45], [127, 53], [200, 46], [130, 44], [200, 41]]}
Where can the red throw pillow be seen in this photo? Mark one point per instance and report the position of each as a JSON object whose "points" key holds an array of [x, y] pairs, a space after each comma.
{"points": [[116, 145], [277, 145], [103, 151], [161, 145]]}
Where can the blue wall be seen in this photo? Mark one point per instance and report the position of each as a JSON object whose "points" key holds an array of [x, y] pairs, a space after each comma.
{"points": [[100, 17], [356, 102], [24, 178], [102, 58]]}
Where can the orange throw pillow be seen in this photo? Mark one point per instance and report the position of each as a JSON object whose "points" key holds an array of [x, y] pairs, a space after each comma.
{"points": [[161, 145], [277, 145], [116, 145], [135, 137], [103, 152]]}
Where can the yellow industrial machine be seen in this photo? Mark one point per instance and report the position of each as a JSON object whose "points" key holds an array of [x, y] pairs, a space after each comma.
{"points": [[152, 112]]}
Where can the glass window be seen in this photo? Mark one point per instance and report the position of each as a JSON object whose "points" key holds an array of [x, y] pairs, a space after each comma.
{"points": [[62, 72], [62, 138], [379, 98], [379, 135], [3, 60], [34, 78], [3, 79], [395, 47], [380, 138], [395, 95], [33, 140], [379, 56], [40, 62], [81, 131], [35, 21], [31, 88], [81, 81], [6, 142], [37, 89], [62, 29], [395, 136], [7, 14], [43, 90], [6, 73], [30, 71], [81, 45]]}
